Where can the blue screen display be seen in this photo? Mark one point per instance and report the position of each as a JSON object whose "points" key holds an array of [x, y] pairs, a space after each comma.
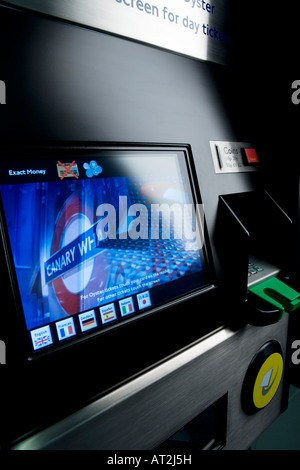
{"points": [[96, 241]]}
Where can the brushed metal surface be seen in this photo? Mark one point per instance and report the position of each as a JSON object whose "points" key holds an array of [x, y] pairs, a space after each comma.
{"points": [[197, 29], [149, 409]]}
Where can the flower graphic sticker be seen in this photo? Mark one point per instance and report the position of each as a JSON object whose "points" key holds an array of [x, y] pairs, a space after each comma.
{"points": [[92, 169]]}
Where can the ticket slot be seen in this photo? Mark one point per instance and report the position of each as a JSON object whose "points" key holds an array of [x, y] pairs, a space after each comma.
{"points": [[251, 224], [207, 431]]}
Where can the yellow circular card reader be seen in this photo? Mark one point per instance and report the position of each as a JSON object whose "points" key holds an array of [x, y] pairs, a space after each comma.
{"points": [[263, 377]]}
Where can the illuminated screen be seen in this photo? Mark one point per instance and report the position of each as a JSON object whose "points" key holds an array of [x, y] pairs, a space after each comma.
{"points": [[100, 237]]}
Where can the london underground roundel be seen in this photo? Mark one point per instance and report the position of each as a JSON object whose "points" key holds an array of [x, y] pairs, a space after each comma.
{"points": [[75, 218]]}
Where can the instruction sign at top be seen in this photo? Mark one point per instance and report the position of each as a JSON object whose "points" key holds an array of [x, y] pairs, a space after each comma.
{"points": [[196, 28]]}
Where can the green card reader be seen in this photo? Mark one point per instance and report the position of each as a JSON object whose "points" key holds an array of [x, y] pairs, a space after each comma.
{"points": [[278, 294], [268, 296]]}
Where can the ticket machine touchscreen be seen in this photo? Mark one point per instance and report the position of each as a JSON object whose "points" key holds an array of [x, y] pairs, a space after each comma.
{"points": [[96, 238]]}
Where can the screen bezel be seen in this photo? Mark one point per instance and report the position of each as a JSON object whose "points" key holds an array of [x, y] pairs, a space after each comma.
{"points": [[85, 150]]}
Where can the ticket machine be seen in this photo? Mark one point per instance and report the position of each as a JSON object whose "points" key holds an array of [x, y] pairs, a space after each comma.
{"points": [[146, 263]]}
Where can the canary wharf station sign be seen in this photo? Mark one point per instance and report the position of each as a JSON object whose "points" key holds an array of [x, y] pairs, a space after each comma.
{"points": [[195, 28]]}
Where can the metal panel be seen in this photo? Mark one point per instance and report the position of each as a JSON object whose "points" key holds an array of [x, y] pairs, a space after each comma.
{"points": [[227, 157], [195, 28], [149, 409]]}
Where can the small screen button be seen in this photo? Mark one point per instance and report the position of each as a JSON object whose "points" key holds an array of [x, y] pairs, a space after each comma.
{"points": [[87, 320], [108, 313], [41, 337], [126, 306], [143, 300], [65, 328]]}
